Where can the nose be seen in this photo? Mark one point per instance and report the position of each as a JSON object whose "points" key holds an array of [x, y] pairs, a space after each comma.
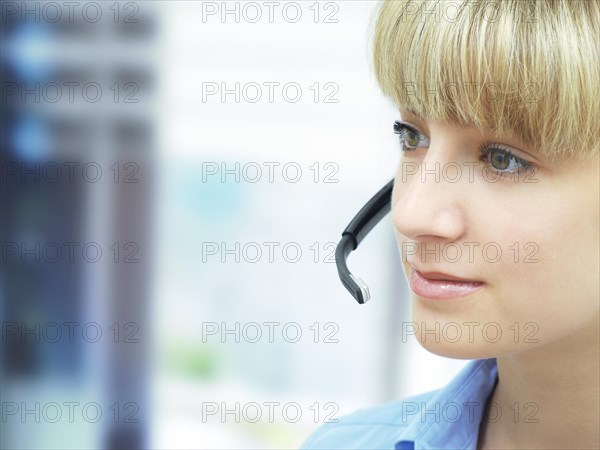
{"points": [[429, 203]]}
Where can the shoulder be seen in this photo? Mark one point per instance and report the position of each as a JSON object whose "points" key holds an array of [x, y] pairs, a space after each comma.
{"points": [[375, 427]]}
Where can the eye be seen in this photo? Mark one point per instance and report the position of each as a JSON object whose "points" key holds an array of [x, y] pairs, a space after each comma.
{"points": [[498, 159], [410, 138], [502, 161]]}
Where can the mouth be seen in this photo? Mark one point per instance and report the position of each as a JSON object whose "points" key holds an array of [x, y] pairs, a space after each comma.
{"points": [[441, 286]]}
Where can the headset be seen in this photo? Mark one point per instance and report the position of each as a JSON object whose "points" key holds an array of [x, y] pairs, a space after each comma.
{"points": [[369, 216]]}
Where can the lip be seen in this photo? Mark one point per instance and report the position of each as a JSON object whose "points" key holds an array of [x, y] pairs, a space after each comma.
{"points": [[441, 286]]}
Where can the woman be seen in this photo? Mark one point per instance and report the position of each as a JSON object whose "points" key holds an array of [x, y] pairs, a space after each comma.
{"points": [[496, 212]]}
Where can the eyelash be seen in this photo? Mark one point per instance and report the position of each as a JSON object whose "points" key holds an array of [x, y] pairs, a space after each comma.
{"points": [[485, 149]]}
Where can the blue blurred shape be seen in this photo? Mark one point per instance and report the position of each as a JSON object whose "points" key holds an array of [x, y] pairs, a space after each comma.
{"points": [[31, 139], [29, 50]]}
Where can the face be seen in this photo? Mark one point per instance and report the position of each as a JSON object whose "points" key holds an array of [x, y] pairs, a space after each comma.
{"points": [[526, 242]]}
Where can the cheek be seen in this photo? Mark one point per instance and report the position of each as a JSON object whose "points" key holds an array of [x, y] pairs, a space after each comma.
{"points": [[548, 273], [559, 282], [557, 287]]}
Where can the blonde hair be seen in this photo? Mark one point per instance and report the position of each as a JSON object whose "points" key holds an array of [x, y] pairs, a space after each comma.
{"points": [[528, 68]]}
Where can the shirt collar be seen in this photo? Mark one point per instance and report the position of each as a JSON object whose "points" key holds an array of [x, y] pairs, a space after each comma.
{"points": [[451, 417]]}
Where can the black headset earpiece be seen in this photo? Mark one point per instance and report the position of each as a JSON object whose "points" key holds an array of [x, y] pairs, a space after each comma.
{"points": [[369, 216]]}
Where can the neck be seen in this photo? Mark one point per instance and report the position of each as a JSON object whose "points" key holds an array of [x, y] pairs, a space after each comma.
{"points": [[548, 397]]}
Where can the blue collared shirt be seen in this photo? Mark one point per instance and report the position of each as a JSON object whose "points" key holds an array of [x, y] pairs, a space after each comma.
{"points": [[446, 418]]}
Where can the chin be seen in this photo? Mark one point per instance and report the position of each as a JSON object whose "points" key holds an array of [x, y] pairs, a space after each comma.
{"points": [[459, 350]]}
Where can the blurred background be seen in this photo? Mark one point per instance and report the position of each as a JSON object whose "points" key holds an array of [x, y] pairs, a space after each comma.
{"points": [[174, 179]]}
